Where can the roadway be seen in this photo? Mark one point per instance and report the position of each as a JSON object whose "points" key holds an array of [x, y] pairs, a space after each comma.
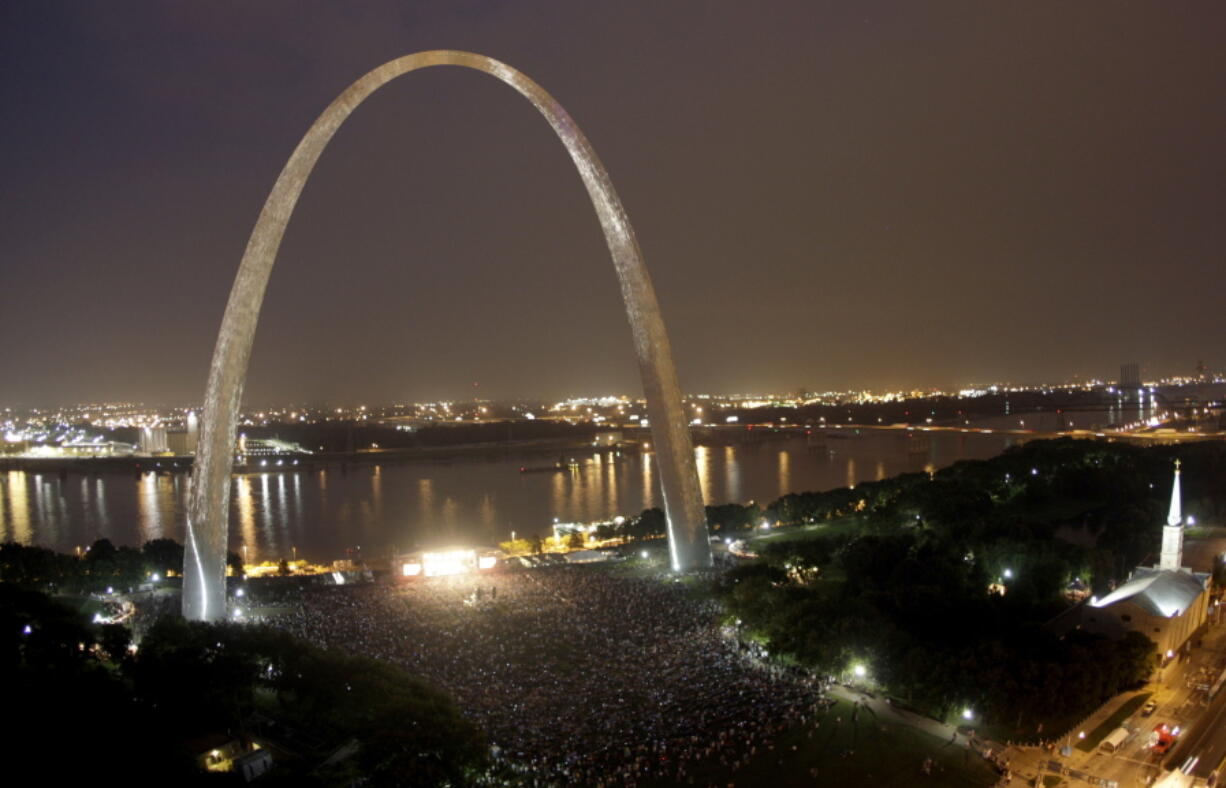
{"points": [[1180, 703], [1033, 434], [1205, 741], [833, 430]]}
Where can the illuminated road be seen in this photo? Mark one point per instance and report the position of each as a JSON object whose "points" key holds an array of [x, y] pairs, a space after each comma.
{"points": [[1205, 741], [1037, 434], [1169, 435], [1178, 705]]}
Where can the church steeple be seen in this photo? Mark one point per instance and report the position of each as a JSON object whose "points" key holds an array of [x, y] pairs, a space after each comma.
{"points": [[1172, 534], [1175, 515]]}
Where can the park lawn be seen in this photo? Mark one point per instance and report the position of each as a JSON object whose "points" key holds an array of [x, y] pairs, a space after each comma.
{"points": [[865, 752], [830, 580], [85, 605], [801, 531], [1095, 737]]}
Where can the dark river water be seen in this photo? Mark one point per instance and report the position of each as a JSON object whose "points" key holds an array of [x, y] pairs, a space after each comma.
{"points": [[322, 513]]}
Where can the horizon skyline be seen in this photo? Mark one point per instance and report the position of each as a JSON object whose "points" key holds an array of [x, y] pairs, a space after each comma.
{"points": [[356, 401], [886, 196]]}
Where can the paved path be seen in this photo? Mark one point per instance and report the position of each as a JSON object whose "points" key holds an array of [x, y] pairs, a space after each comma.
{"points": [[935, 728]]}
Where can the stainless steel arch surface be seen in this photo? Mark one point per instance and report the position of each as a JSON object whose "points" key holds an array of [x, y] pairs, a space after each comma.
{"points": [[208, 509]]}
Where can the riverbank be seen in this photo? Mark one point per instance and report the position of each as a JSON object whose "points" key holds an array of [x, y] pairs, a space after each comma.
{"points": [[275, 463], [564, 450]]}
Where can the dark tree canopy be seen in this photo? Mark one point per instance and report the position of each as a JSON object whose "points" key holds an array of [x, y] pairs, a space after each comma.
{"points": [[905, 574], [76, 682]]}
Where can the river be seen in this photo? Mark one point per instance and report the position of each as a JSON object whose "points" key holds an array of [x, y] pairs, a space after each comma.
{"points": [[325, 513]]}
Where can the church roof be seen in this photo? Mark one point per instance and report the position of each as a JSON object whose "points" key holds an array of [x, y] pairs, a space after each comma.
{"points": [[1160, 592]]}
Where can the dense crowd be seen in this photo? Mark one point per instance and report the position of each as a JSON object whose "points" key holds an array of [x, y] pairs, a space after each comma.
{"points": [[577, 674]]}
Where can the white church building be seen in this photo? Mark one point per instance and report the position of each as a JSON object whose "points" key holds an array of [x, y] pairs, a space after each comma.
{"points": [[1167, 603]]}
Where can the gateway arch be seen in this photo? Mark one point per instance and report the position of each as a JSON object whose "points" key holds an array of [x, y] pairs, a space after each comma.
{"points": [[208, 507]]}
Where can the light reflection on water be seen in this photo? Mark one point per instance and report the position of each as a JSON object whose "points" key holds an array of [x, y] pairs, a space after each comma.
{"points": [[324, 512]]}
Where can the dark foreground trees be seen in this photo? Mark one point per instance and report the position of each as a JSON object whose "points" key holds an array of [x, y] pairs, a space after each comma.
{"points": [[940, 587], [85, 711]]}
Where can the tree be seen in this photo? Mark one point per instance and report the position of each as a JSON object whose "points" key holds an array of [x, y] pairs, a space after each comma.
{"points": [[408, 732], [114, 640], [735, 517], [163, 556], [100, 550], [918, 556], [35, 567], [517, 547], [575, 541], [60, 685], [651, 522], [109, 566]]}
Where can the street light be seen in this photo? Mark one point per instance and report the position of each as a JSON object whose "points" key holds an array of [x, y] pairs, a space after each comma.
{"points": [[859, 671]]}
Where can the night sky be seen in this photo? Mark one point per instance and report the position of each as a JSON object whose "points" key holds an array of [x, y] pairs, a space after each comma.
{"points": [[828, 196]]}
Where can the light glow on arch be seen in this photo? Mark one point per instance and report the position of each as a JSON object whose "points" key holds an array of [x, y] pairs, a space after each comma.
{"points": [[208, 506]]}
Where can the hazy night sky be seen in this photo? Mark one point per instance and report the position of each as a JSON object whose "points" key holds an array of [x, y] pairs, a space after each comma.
{"points": [[827, 195]]}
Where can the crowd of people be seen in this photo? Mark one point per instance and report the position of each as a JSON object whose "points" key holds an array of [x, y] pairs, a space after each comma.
{"points": [[578, 674]]}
